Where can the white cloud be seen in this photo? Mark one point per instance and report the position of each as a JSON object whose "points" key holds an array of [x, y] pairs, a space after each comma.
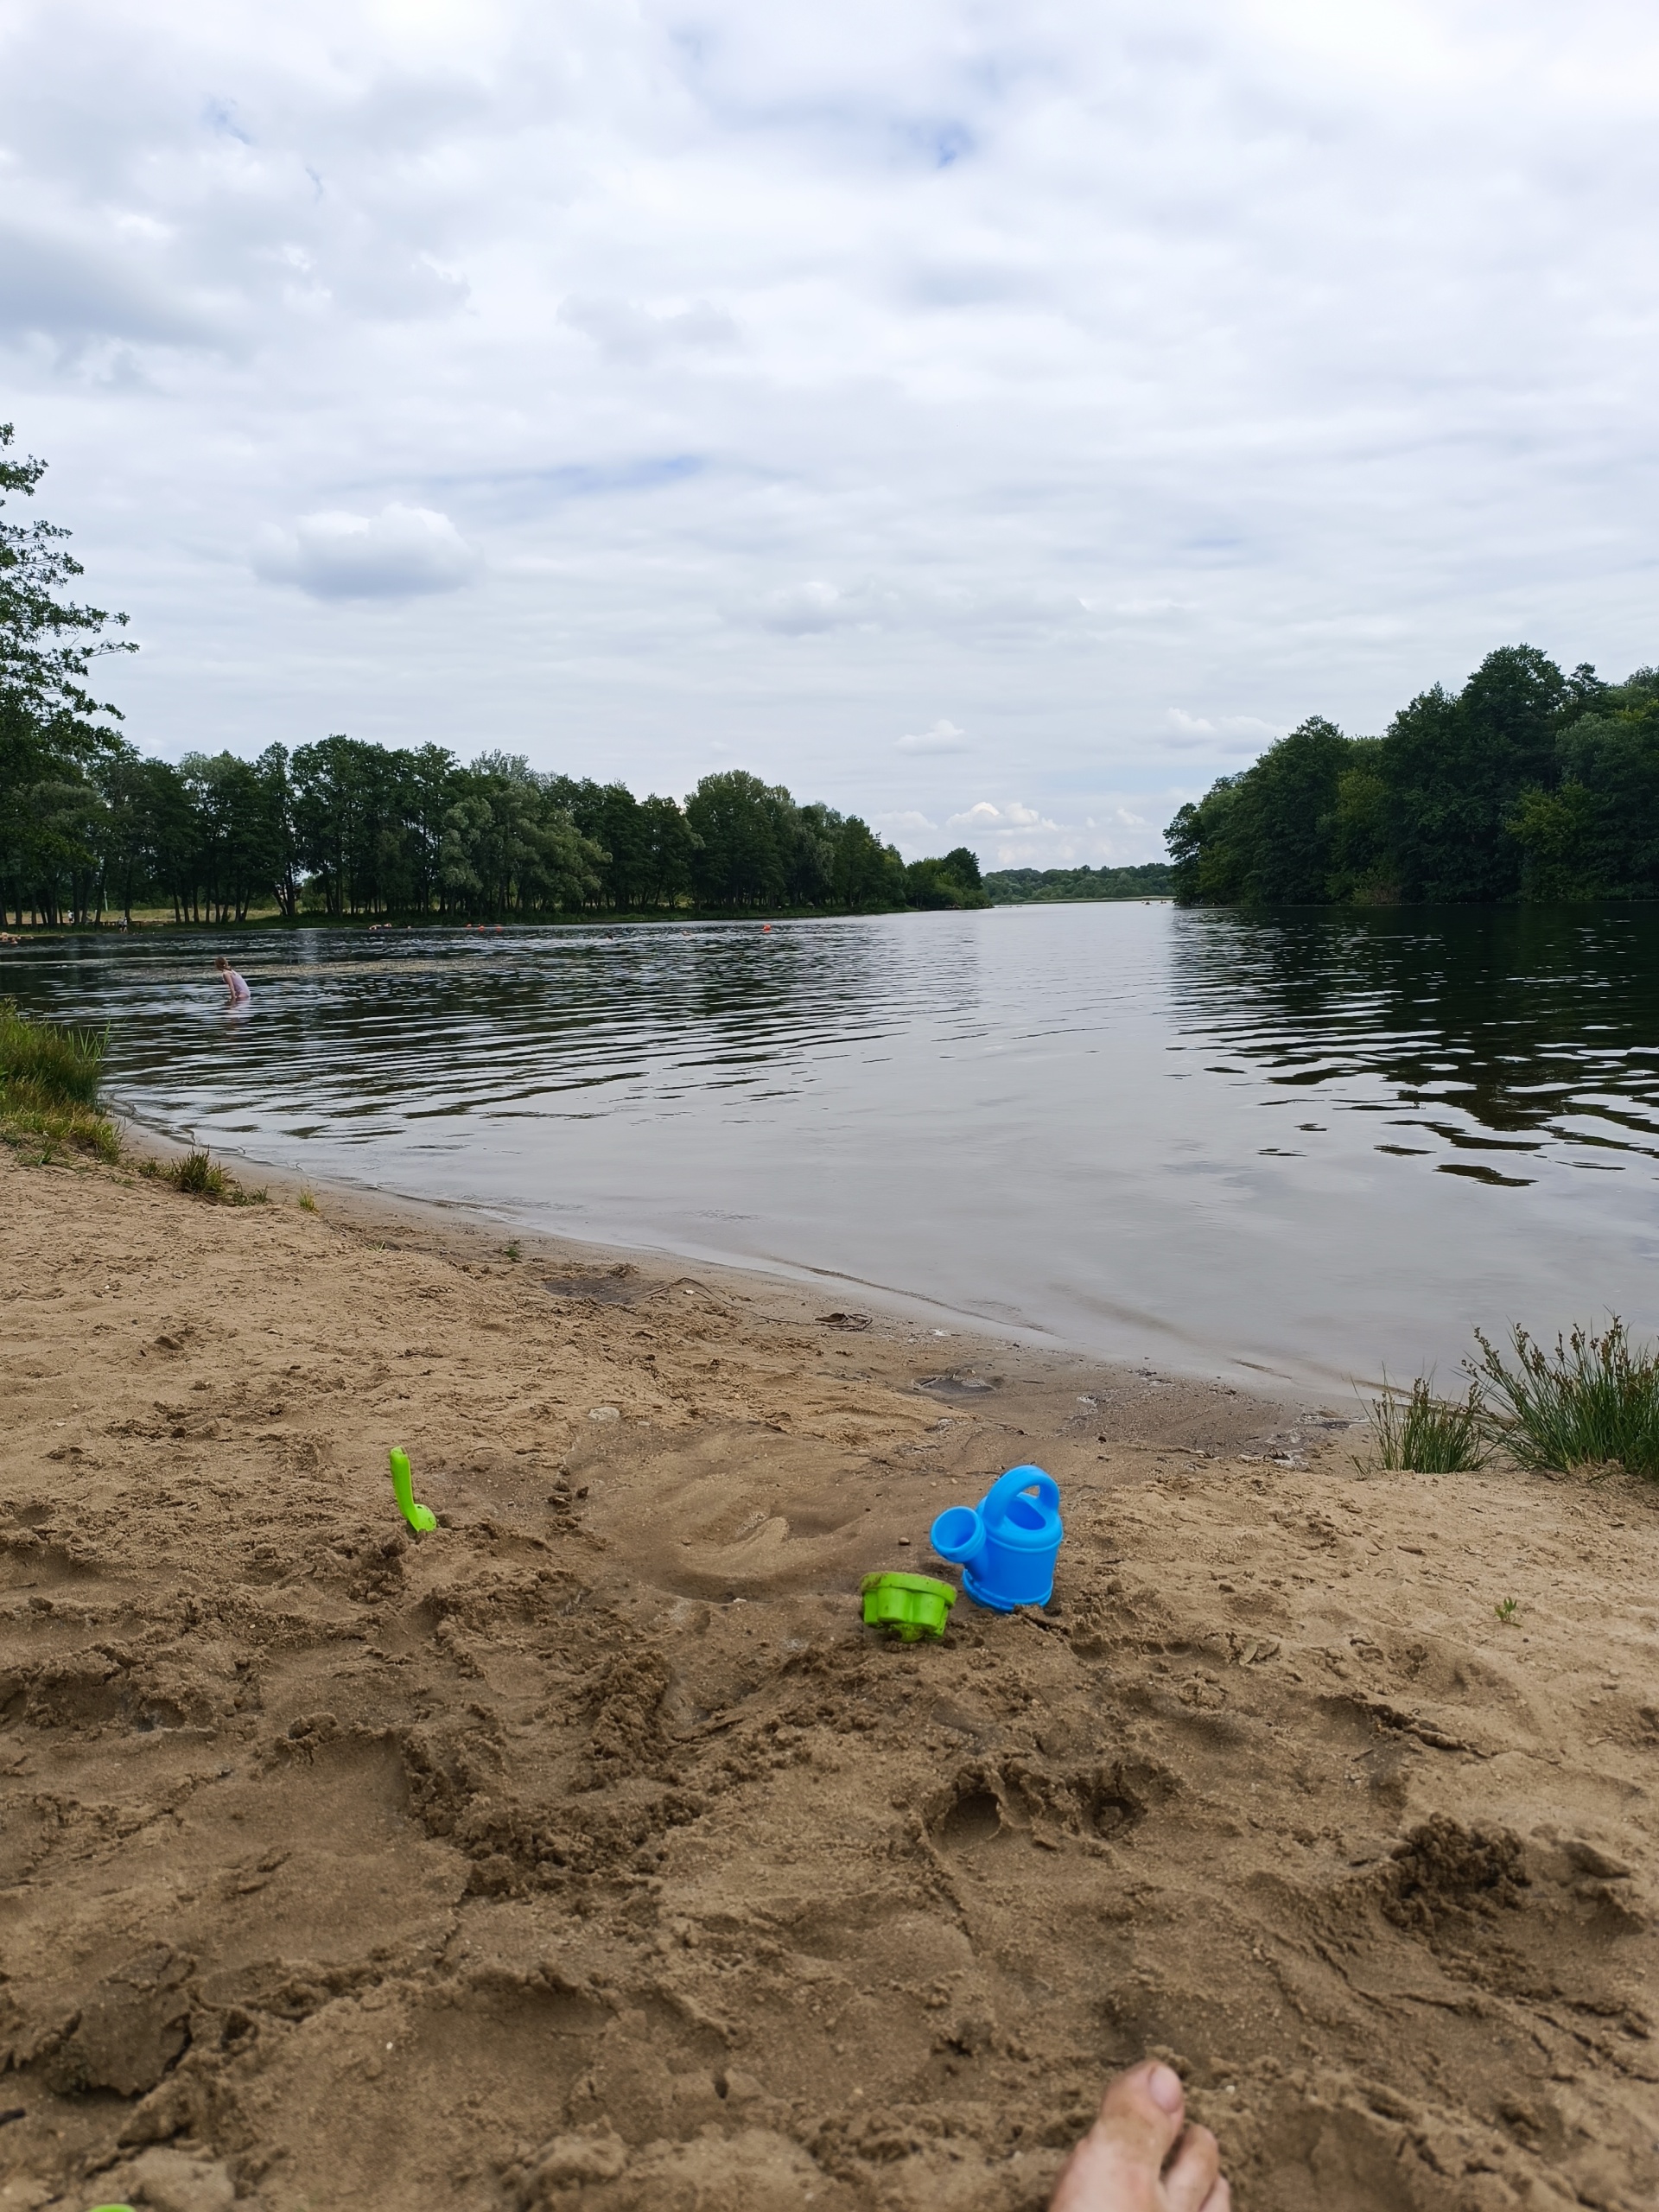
{"points": [[627, 333], [940, 737], [804, 609], [1010, 814], [1226, 734], [1011, 616], [400, 553], [914, 832], [1188, 729]]}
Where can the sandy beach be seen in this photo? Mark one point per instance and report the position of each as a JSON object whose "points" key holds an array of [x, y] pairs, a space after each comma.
{"points": [[588, 1852]]}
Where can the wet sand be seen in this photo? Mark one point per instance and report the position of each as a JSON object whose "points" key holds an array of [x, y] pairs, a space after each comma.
{"points": [[590, 1852]]}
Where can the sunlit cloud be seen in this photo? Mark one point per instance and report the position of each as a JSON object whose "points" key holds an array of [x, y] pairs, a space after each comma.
{"points": [[912, 832], [627, 333], [1218, 733], [400, 553], [941, 736], [1011, 814]]}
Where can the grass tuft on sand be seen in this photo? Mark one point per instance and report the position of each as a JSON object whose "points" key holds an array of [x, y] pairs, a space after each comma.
{"points": [[49, 1077], [1426, 1434], [199, 1175], [1593, 1402]]}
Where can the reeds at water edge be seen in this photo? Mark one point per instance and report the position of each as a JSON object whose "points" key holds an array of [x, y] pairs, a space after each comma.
{"points": [[1593, 1402]]}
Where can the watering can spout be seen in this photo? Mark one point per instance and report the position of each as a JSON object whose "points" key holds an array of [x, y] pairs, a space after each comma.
{"points": [[1006, 1545]]}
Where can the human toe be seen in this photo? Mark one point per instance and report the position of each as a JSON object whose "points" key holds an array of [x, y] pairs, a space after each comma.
{"points": [[1193, 2177], [1118, 2163], [1144, 2109]]}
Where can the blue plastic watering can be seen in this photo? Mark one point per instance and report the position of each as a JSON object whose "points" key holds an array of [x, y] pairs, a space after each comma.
{"points": [[1004, 1545]]}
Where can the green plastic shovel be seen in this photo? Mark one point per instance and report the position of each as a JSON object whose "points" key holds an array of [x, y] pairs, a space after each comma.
{"points": [[421, 1518]]}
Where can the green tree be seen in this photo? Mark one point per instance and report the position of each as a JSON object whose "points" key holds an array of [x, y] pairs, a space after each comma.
{"points": [[953, 881], [52, 729], [807, 839], [1462, 801], [47, 643], [527, 854], [347, 823], [1456, 768], [239, 832], [1288, 807], [1361, 871], [152, 838], [1015, 886], [859, 874], [1562, 845], [734, 818], [63, 848], [670, 852], [426, 789], [1209, 859], [1596, 836], [272, 768]]}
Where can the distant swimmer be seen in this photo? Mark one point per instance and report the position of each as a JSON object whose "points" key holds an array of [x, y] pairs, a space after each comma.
{"points": [[236, 988]]}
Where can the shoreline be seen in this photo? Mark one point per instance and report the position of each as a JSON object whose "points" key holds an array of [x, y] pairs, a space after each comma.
{"points": [[1206, 1367], [24, 933], [782, 1292]]}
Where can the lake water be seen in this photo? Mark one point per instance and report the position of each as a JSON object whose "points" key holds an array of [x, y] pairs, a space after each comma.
{"points": [[1307, 1144]]}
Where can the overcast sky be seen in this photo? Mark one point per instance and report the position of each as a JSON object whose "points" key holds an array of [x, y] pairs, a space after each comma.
{"points": [[995, 417]]}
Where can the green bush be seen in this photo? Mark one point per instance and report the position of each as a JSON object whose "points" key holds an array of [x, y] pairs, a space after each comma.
{"points": [[1429, 1435], [1595, 1403]]}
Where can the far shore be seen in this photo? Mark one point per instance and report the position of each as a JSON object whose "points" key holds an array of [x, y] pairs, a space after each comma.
{"points": [[151, 924]]}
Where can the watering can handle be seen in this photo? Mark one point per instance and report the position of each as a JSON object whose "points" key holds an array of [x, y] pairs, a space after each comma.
{"points": [[1002, 1493]]}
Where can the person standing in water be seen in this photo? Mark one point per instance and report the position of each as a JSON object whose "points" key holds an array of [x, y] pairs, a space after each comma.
{"points": [[234, 984]]}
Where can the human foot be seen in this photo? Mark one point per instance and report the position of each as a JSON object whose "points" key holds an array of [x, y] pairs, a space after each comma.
{"points": [[1124, 2164]]}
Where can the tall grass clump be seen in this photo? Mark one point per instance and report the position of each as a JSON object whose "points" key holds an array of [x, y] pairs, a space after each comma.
{"points": [[49, 1078], [1593, 1402], [199, 1175], [1426, 1434]]}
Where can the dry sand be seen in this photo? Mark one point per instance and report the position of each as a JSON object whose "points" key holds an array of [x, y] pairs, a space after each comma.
{"points": [[588, 1852]]}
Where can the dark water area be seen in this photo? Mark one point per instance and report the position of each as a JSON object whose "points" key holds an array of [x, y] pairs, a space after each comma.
{"points": [[1307, 1144]]}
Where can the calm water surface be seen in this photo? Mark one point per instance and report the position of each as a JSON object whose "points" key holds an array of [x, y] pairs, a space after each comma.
{"points": [[1309, 1144]]}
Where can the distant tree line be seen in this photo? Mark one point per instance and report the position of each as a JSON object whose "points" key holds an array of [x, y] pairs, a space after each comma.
{"points": [[1527, 785], [345, 828], [1020, 886], [341, 828]]}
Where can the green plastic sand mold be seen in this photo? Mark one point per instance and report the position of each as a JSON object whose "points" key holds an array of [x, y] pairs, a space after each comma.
{"points": [[421, 1518], [909, 1606]]}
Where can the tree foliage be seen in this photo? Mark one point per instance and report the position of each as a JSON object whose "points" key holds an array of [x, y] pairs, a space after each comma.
{"points": [[1528, 784], [343, 829], [51, 728], [1020, 886]]}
